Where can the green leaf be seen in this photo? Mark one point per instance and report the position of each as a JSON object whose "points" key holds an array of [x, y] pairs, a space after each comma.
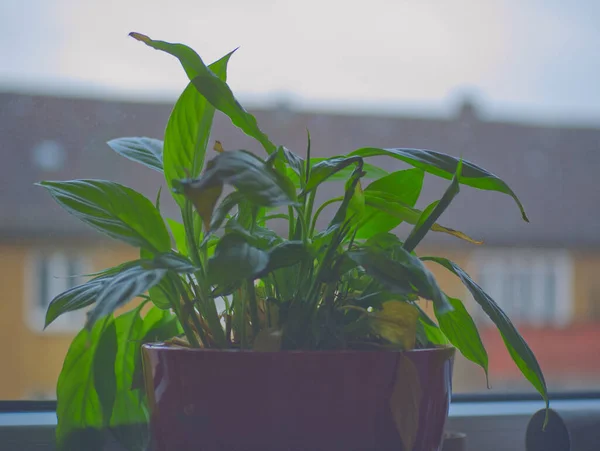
{"points": [[445, 166], [171, 261], [285, 254], [433, 212], [215, 90], [404, 186], [188, 132], [403, 275], [221, 97], [122, 288], [260, 184], [103, 367], [158, 326], [516, 345], [114, 210], [178, 233], [458, 326], [228, 203], [189, 59], [78, 408], [159, 293], [147, 151], [371, 171], [235, 261], [393, 212], [326, 169], [75, 298], [295, 162], [129, 413]]}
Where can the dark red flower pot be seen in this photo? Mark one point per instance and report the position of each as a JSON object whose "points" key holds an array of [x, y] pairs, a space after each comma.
{"points": [[212, 400]]}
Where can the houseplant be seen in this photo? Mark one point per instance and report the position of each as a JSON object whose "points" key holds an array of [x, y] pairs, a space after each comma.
{"points": [[339, 303]]}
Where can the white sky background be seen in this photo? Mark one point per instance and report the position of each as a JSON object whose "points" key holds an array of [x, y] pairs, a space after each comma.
{"points": [[532, 58]]}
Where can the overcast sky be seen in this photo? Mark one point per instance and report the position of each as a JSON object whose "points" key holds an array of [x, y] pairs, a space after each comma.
{"points": [[537, 58]]}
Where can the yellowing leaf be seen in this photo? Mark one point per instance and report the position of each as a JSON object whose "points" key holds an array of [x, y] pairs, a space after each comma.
{"points": [[268, 340], [457, 233], [218, 147], [405, 401], [204, 200], [397, 323]]}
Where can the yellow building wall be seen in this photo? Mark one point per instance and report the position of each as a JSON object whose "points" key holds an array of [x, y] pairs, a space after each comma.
{"points": [[32, 360]]}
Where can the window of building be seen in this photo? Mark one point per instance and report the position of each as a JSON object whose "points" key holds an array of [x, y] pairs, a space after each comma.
{"points": [[49, 273], [533, 287]]}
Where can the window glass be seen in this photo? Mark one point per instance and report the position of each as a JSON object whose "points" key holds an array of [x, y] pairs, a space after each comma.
{"points": [[468, 78]]}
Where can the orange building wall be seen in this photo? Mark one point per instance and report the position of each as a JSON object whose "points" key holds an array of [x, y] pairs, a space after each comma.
{"points": [[32, 360]]}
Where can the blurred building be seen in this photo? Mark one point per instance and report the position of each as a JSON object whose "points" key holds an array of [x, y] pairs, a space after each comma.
{"points": [[544, 274]]}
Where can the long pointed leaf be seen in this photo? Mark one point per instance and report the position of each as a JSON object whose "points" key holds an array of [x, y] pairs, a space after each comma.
{"points": [[147, 151], [444, 166], [433, 212], [517, 347], [113, 209], [121, 289], [458, 326], [188, 132], [215, 90]]}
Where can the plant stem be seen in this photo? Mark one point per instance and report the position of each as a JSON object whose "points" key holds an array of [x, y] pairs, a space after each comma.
{"points": [[290, 223], [191, 311], [308, 212], [319, 210], [253, 307]]}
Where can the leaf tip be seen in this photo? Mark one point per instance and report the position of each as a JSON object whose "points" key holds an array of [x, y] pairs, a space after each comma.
{"points": [[140, 37]]}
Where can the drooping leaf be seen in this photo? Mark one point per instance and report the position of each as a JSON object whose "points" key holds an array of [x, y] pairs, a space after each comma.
{"points": [[371, 171], [431, 214], [404, 274], [405, 402], [188, 132], [215, 90], [171, 261], [326, 169], [228, 203], [458, 326], [189, 59], [147, 151], [235, 261], [285, 254], [260, 184], [396, 322], [122, 288], [75, 298], [445, 166], [221, 97], [114, 210], [390, 212], [516, 345], [78, 408]]}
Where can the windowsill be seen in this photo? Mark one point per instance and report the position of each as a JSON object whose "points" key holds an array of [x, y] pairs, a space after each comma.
{"points": [[491, 425]]}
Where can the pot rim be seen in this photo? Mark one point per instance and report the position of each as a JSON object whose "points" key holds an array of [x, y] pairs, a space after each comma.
{"points": [[174, 348]]}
